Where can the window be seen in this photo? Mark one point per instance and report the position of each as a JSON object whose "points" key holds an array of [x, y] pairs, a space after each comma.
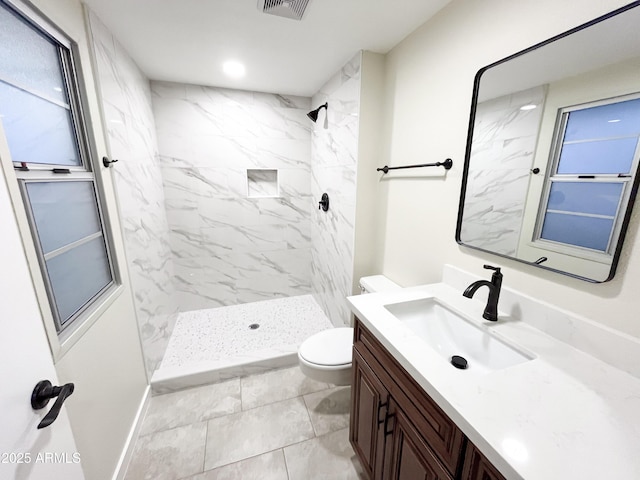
{"points": [[43, 125], [595, 153]]}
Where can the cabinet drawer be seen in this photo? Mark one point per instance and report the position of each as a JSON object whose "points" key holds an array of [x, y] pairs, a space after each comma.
{"points": [[437, 429]]}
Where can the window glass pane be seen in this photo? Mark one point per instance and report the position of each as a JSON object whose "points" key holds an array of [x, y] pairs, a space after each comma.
{"points": [[589, 232], [606, 121], [28, 58], [42, 126], [37, 131], [64, 212], [78, 275], [600, 156], [596, 198]]}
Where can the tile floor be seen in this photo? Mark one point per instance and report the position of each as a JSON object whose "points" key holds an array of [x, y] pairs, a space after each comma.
{"points": [[277, 425]]}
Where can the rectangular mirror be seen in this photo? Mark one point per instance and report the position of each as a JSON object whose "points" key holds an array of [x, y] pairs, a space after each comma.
{"points": [[551, 164]]}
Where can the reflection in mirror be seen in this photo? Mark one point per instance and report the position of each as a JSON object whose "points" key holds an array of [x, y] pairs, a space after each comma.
{"points": [[552, 155]]}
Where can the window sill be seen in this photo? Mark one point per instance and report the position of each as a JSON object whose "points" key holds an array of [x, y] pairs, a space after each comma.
{"points": [[68, 338]]}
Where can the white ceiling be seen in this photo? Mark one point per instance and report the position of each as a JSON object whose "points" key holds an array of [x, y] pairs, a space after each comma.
{"points": [[188, 40]]}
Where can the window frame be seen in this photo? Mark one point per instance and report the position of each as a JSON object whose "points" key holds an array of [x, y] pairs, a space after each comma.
{"points": [[551, 176], [63, 324], [84, 137]]}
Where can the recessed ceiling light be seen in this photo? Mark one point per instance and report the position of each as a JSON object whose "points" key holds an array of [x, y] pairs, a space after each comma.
{"points": [[528, 107], [57, 89], [615, 120], [233, 69]]}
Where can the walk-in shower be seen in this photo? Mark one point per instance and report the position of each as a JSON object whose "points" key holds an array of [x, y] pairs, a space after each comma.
{"points": [[218, 193]]}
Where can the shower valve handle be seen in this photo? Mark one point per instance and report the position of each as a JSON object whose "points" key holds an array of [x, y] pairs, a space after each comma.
{"points": [[323, 204]]}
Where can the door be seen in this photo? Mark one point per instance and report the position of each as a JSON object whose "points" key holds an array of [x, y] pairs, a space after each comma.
{"points": [[25, 359], [101, 353]]}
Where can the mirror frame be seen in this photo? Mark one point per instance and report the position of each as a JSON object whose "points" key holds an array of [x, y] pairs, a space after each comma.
{"points": [[467, 156]]}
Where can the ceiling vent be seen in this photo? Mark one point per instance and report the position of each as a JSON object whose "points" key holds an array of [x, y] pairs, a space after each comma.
{"points": [[293, 9]]}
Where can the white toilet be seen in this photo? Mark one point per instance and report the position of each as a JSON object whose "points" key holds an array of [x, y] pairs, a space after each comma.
{"points": [[327, 355]]}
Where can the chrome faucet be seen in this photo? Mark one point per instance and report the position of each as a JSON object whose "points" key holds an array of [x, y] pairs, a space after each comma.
{"points": [[491, 310]]}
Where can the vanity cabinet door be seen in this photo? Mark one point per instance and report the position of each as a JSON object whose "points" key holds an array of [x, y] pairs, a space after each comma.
{"points": [[477, 467], [369, 403], [442, 435], [411, 457]]}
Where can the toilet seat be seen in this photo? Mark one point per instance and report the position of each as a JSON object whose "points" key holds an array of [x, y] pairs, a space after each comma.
{"points": [[327, 356], [329, 347]]}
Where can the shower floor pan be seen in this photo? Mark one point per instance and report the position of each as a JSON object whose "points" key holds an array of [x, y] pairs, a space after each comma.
{"points": [[215, 344]]}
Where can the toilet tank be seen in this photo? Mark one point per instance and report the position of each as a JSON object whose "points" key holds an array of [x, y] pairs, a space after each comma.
{"points": [[377, 283]]}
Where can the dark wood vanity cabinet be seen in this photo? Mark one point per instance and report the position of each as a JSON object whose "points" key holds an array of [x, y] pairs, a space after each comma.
{"points": [[369, 411], [397, 431], [477, 467], [411, 458]]}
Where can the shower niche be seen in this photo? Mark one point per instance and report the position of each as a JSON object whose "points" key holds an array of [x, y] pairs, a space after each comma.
{"points": [[262, 183]]}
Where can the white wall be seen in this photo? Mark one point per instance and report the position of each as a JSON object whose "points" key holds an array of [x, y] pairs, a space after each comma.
{"points": [[369, 208], [429, 81]]}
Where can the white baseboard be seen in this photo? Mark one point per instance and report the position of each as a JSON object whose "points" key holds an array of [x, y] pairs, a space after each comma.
{"points": [[127, 451]]}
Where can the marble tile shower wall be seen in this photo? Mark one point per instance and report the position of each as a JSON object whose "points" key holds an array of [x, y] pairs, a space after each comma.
{"points": [[334, 163], [503, 146], [126, 99], [230, 247]]}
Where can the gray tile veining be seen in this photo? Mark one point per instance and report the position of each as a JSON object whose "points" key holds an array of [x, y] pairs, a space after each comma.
{"points": [[208, 138], [213, 144], [503, 131], [271, 387], [131, 135], [193, 238], [329, 409], [170, 454], [304, 437], [334, 154], [268, 466], [242, 435], [328, 457], [191, 406]]}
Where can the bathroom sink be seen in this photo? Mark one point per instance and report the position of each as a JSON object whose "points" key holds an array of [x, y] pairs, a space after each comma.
{"points": [[451, 334]]}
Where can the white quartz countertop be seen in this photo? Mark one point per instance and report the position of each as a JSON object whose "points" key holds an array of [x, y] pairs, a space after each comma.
{"points": [[562, 415]]}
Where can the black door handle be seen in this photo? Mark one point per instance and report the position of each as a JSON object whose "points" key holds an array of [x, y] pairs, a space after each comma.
{"points": [[42, 393]]}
